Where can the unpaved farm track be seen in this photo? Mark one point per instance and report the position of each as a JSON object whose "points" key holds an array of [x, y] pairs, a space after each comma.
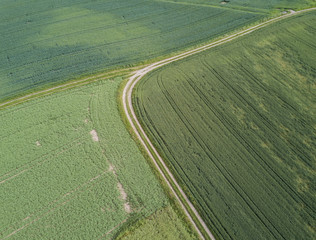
{"points": [[146, 143]]}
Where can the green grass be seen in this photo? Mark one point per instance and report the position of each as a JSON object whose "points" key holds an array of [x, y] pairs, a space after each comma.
{"points": [[44, 44], [253, 5], [57, 183], [163, 224], [237, 126]]}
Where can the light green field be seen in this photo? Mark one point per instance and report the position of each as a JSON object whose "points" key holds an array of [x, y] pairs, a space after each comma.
{"points": [[57, 182], [237, 125], [163, 224], [250, 5]]}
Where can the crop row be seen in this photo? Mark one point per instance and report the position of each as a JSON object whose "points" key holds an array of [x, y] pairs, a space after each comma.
{"points": [[236, 125], [44, 44], [58, 181]]}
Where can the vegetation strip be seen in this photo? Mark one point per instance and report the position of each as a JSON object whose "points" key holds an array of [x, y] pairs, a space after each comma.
{"points": [[65, 86], [218, 6], [129, 111]]}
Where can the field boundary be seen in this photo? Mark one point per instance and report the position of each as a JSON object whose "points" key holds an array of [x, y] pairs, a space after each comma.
{"points": [[66, 86], [231, 8], [189, 210]]}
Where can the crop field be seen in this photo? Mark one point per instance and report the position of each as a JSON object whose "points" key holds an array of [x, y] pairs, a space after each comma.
{"points": [[70, 170], [45, 43], [251, 5], [237, 126], [163, 224]]}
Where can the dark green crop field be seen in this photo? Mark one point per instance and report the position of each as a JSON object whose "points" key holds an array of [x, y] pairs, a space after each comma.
{"points": [[44, 43], [237, 125]]}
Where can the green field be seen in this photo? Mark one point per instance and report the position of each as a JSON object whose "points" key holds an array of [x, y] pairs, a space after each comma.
{"points": [[70, 170], [45, 43], [251, 5], [237, 126], [163, 224]]}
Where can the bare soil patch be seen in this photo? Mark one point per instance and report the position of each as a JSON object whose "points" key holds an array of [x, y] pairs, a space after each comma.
{"points": [[94, 135]]}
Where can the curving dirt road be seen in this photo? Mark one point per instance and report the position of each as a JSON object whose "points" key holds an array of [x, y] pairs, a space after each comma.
{"points": [[141, 135]]}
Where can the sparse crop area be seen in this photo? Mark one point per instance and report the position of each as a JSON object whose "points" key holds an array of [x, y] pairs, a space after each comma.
{"points": [[237, 127], [70, 170]]}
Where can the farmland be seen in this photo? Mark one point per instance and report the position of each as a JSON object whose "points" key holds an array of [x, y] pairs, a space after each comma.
{"points": [[250, 5], [70, 170], [163, 224], [237, 127], [68, 167], [45, 43]]}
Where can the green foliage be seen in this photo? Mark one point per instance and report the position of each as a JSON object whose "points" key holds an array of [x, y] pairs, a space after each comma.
{"points": [[253, 5], [57, 183], [163, 224], [237, 126], [51, 42]]}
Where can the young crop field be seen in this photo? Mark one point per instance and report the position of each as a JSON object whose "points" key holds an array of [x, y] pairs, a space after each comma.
{"points": [[45, 43], [236, 125], [163, 224], [70, 170], [250, 5]]}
